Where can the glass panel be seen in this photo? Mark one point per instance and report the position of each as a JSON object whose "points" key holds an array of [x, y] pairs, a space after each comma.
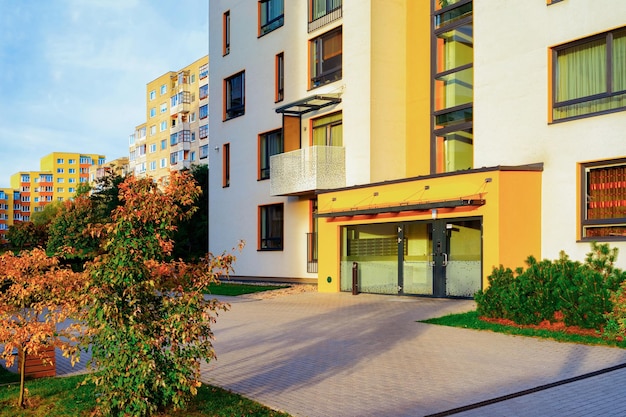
{"points": [[464, 269], [455, 48], [619, 62], [604, 231], [328, 131], [454, 89], [581, 71], [453, 15], [418, 271], [455, 151], [457, 116], [375, 248], [589, 107], [606, 193]]}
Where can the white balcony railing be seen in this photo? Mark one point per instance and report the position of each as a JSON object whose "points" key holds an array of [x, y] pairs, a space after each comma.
{"points": [[308, 169]]}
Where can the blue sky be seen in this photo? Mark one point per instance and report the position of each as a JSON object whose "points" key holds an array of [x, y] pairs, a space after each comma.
{"points": [[73, 73]]}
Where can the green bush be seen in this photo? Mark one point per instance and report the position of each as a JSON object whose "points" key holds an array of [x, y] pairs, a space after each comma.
{"points": [[581, 292]]}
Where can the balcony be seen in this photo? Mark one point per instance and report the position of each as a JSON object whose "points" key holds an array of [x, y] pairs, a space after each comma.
{"points": [[307, 170]]}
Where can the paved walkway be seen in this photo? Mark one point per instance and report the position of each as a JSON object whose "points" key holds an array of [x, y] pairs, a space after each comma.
{"points": [[315, 354]]}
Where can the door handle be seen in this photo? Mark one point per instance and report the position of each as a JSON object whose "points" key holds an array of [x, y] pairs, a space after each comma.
{"points": [[445, 259]]}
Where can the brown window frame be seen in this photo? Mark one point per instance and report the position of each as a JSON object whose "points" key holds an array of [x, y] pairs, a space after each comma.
{"points": [[318, 75], [226, 165], [265, 154], [226, 33], [279, 94], [230, 110], [268, 241]]}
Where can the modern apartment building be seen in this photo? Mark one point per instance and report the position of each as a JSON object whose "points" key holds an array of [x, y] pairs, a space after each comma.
{"points": [[59, 177], [117, 166], [409, 147], [6, 212], [175, 134]]}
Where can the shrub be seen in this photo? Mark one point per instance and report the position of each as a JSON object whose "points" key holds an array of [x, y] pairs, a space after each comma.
{"points": [[581, 292]]}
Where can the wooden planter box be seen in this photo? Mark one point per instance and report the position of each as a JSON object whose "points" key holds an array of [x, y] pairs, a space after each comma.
{"points": [[37, 368]]}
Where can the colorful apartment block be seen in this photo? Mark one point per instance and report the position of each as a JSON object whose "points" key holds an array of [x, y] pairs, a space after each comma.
{"points": [[410, 147], [176, 132], [6, 212]]}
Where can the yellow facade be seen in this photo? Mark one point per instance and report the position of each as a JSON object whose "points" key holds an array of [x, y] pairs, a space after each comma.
{"points": [[6, 212], [510, 225], [172, 108]]}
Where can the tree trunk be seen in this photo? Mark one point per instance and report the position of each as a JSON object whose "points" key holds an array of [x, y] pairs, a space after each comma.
{"points": [[22, 361]]}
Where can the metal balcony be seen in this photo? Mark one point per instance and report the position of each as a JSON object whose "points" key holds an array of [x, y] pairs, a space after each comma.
{"points": [[308, 169]]}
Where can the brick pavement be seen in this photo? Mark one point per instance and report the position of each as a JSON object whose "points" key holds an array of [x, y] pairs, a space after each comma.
{"points": [[314, 354], [317, 354]]}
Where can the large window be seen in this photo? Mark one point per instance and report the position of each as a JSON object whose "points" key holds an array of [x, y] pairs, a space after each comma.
{"points": [[271, 227], [453, 85], [326, 58], [234, 96], [271, 15], [604, 203], [270, 143], [328, 130], [322, 12], [204, 112], [589, 76], [204, 92]]}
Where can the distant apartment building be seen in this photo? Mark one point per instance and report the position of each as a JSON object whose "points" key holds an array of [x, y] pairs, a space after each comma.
{"points": [[175, 134], [59, 177], [6, 212], [415, 144], [117, 166]]}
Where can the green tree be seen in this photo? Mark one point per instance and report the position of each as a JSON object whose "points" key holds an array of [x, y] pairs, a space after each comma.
{"points": [[47, 214], [149, 321], [191, 239], [27, 235]]}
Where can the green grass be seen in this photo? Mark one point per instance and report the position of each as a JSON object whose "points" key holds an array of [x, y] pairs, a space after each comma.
{"points": [[470, 320], [62, 397], [234, 289]]}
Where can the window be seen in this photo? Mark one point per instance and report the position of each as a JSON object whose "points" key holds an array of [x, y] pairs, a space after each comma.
{"points": [[203, 131], [163, 144], [71, 171], [234, 96], [604, 206], [204, 151], [226, 33], [71, 180], [270, 143], [152, 130], [271, 227], [204, 111], [328, 130], [325, 53], [204, 91], [322, 12], [163, 163], [153, 147], [152, 95], [163, 89], [204, 71], [589, 76], [25, 178], [60, 180], [271, 15], [71, 190], [192, 117], [153, 165], [163, 126], [453, 96], [280, 77], [192, 79], [152, 112], [59, 170], [192, 156], [60, 161], [71, 161], [163, 107], [226, 165]]}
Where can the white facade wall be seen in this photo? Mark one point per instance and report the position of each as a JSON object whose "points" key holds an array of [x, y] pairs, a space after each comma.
{"points": [[234, 210], [512, 41]]}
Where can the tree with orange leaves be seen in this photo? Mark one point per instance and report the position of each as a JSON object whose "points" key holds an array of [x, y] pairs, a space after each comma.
{"points": [[148, 319], [36, 296]]}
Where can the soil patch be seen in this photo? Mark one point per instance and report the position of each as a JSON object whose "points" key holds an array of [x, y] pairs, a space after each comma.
{"points": [[556, 326]]}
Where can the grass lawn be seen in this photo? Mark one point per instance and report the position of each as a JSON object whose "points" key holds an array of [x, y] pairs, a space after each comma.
{"points": [[63, 397], [234, 289], [470, 320]]}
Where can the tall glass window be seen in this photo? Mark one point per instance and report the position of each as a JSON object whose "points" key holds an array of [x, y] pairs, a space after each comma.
{"points": [[328, 130], [270, 143], [453, 85]]}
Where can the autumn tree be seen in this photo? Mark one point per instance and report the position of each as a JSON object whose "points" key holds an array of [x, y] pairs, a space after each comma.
{"points": [[27, 235], [149, 321], [36, 296]]}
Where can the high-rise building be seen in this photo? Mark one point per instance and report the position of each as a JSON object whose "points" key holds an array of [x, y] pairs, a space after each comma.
{"points": [[455, 136], [6, 212], [59, 177], [175, 134]]}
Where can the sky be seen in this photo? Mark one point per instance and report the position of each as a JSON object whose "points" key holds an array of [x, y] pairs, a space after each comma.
{"points": [[73, 73]]}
